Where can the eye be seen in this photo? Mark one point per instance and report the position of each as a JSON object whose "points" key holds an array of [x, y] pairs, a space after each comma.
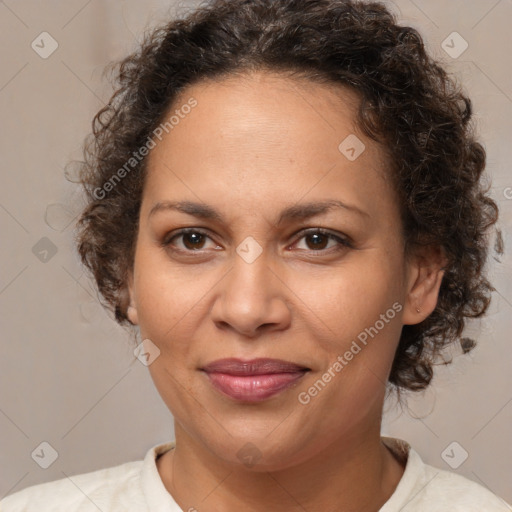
{"points": [[193, 239], [317, 240]]}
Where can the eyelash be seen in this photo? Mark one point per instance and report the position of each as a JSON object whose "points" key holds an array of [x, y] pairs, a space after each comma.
{"points": [[343, 242]]}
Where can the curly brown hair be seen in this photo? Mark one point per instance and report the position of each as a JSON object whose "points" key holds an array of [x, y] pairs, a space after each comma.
{"points": [[408, 103]]}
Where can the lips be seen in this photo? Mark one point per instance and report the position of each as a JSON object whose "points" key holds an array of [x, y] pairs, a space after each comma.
{"points": [[254, 380], [262, 366]]}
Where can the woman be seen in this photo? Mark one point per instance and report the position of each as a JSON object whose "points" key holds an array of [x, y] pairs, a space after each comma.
{"points": [[285, 200]]}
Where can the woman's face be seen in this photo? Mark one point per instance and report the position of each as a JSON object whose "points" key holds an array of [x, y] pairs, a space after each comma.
{"points": [[256, 279]]}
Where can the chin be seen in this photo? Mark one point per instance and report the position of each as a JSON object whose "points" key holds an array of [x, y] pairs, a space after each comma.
{"points": [[259, 453]]}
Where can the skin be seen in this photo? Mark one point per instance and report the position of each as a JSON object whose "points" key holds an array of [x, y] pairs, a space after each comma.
{"points": [[254, 145]]}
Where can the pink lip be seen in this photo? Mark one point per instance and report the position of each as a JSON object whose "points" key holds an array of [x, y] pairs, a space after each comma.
{"points": [[254, 380]]}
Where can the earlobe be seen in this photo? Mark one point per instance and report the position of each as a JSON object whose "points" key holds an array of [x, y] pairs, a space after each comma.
{"points": [[131, 310], [424, 284], [132, 315]]}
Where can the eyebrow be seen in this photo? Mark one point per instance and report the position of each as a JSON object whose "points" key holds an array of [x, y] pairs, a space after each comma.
{"points": [[298, 211]]}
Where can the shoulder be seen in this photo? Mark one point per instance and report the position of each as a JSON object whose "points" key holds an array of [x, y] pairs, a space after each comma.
{"points": [[427, 488], [108, 489], [458, 493]]}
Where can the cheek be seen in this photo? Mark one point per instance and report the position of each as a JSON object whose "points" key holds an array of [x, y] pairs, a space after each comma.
{"points": [[363, 316], [352, 297], [166, 295], [361, 312]]}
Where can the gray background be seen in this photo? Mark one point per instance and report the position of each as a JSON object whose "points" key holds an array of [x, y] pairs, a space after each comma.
{"points": [[68, 375]]}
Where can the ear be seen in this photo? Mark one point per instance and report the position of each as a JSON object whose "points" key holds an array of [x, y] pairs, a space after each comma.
{"points": [[424, 276], [131, 310]]}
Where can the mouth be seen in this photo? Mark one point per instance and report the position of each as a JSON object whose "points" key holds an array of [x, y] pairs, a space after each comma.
{"points": [[254, 380]]}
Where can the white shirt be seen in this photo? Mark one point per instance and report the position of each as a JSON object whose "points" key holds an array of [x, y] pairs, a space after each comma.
{"points": [[137, 486]]}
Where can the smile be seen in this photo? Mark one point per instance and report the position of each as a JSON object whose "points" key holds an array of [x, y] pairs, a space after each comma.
{"points": [[255, 380]]}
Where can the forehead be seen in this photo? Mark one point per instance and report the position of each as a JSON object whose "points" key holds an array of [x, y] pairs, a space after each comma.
{"points": [[261, 131], [273, 95], [259, 106]]}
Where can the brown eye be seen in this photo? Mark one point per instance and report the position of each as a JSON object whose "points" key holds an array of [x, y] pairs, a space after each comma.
{"points": [[319, 239], [191, 240]]}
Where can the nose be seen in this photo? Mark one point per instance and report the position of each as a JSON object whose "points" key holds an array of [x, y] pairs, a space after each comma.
{"points": [[252, 298]]}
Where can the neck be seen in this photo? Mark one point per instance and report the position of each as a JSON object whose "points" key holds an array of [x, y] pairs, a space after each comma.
{"points": [[356, 473]]}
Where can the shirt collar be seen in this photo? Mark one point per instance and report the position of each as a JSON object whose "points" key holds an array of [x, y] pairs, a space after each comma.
{"points": [[159, 500], [157, 497]]}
